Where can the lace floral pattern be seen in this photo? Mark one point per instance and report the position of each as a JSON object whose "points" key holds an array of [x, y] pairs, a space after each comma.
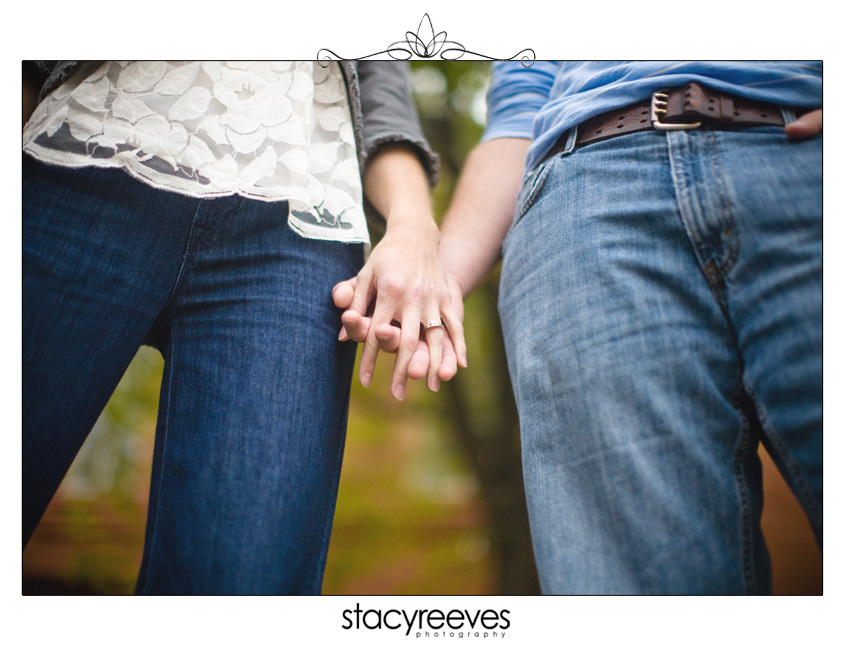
{"points": [[266, 130]]}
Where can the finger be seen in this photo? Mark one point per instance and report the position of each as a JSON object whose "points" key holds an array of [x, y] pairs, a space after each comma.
{"points": [[364, 292], [355, 325], [407, 347], [417, 368], [369, 355], [806, 125], [344, 292], [448, 368], [434, 337], [455, 330], [388, 337]]}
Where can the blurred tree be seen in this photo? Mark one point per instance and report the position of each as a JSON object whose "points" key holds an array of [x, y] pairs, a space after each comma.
{"points": [[481, 408]]}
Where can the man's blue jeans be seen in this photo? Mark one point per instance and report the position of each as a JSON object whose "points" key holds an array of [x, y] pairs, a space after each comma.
{"points": [[255, 392], [661, 302]]}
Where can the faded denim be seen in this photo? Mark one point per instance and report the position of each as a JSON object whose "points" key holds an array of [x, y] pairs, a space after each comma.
{"points": [[661, 302]]}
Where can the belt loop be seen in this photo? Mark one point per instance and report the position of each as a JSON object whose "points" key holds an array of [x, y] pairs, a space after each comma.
{"points": [[571, 140], [788, 115]]}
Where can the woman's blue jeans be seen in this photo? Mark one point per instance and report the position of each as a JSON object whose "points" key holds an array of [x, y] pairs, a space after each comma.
{"points": [[255, 392], [661, 301]]}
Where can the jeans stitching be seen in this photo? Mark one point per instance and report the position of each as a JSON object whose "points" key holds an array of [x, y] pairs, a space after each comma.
{"points": [[537, 184], [185, 258], [682, 184], [703, 253], [156, 507], [327, 526], [811, 505], [732, 246], [744, 501], [228, 208]]}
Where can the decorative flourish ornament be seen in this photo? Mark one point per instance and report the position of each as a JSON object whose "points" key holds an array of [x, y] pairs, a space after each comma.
{"points": [[425, 43]]}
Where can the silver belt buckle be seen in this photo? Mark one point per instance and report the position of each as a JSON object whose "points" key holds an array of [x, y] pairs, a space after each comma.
{"points": [[659, 104]]}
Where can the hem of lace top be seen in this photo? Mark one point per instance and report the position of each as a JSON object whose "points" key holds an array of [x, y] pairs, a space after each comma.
{"points": [[303, 229]]}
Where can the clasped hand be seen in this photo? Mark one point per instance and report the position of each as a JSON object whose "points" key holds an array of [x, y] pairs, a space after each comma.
{"points": [[401, 288]]}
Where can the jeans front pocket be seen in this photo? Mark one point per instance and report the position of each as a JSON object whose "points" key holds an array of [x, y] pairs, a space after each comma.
{"points": [[532, 185]]}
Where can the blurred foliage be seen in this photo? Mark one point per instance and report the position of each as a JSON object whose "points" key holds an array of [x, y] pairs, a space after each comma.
{"points": [[90, 540]]}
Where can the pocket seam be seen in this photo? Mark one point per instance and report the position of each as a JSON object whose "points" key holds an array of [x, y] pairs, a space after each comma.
{"points": [[540, 175]]}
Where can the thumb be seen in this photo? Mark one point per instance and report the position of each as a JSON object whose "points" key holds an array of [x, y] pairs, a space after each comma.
{"points": [[344, 292], [807, 125]]}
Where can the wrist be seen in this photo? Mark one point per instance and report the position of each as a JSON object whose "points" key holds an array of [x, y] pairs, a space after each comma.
{"points": [[456, 274], [459, 257], [410, 209], [414, 224]]}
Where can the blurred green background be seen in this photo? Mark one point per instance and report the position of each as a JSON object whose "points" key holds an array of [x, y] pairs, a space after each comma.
{"points": [[431, 498]]}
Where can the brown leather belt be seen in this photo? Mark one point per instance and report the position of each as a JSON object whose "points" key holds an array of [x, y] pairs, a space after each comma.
{"points": [[687, 107]]}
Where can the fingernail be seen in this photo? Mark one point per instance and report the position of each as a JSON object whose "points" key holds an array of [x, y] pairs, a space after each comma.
{"points": [[435, 384], [343, 337], [365, 380], [398, 393]]}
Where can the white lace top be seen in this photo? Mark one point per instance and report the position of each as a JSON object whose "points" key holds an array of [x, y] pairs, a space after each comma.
{"points": [[270, 131]]}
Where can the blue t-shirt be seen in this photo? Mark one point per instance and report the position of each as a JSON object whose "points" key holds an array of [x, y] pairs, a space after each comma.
{"points": [[544, 101]]}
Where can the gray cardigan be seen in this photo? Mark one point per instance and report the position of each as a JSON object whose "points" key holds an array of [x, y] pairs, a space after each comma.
{"points": [[381, 105]]}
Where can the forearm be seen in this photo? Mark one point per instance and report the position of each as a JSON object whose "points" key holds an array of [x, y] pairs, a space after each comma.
{"points": [[482, 210], [403, 274], [397, 186]]}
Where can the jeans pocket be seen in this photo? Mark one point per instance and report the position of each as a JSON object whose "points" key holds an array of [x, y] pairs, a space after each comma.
{"points": [[532, 185]]}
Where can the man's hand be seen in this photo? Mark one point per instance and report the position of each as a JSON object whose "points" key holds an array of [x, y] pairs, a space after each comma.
{"points": [[806, 126], [388, 337]]}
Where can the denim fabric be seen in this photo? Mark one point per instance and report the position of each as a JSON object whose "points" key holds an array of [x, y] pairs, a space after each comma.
{"points": [[661, 302], [255, 392]]}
